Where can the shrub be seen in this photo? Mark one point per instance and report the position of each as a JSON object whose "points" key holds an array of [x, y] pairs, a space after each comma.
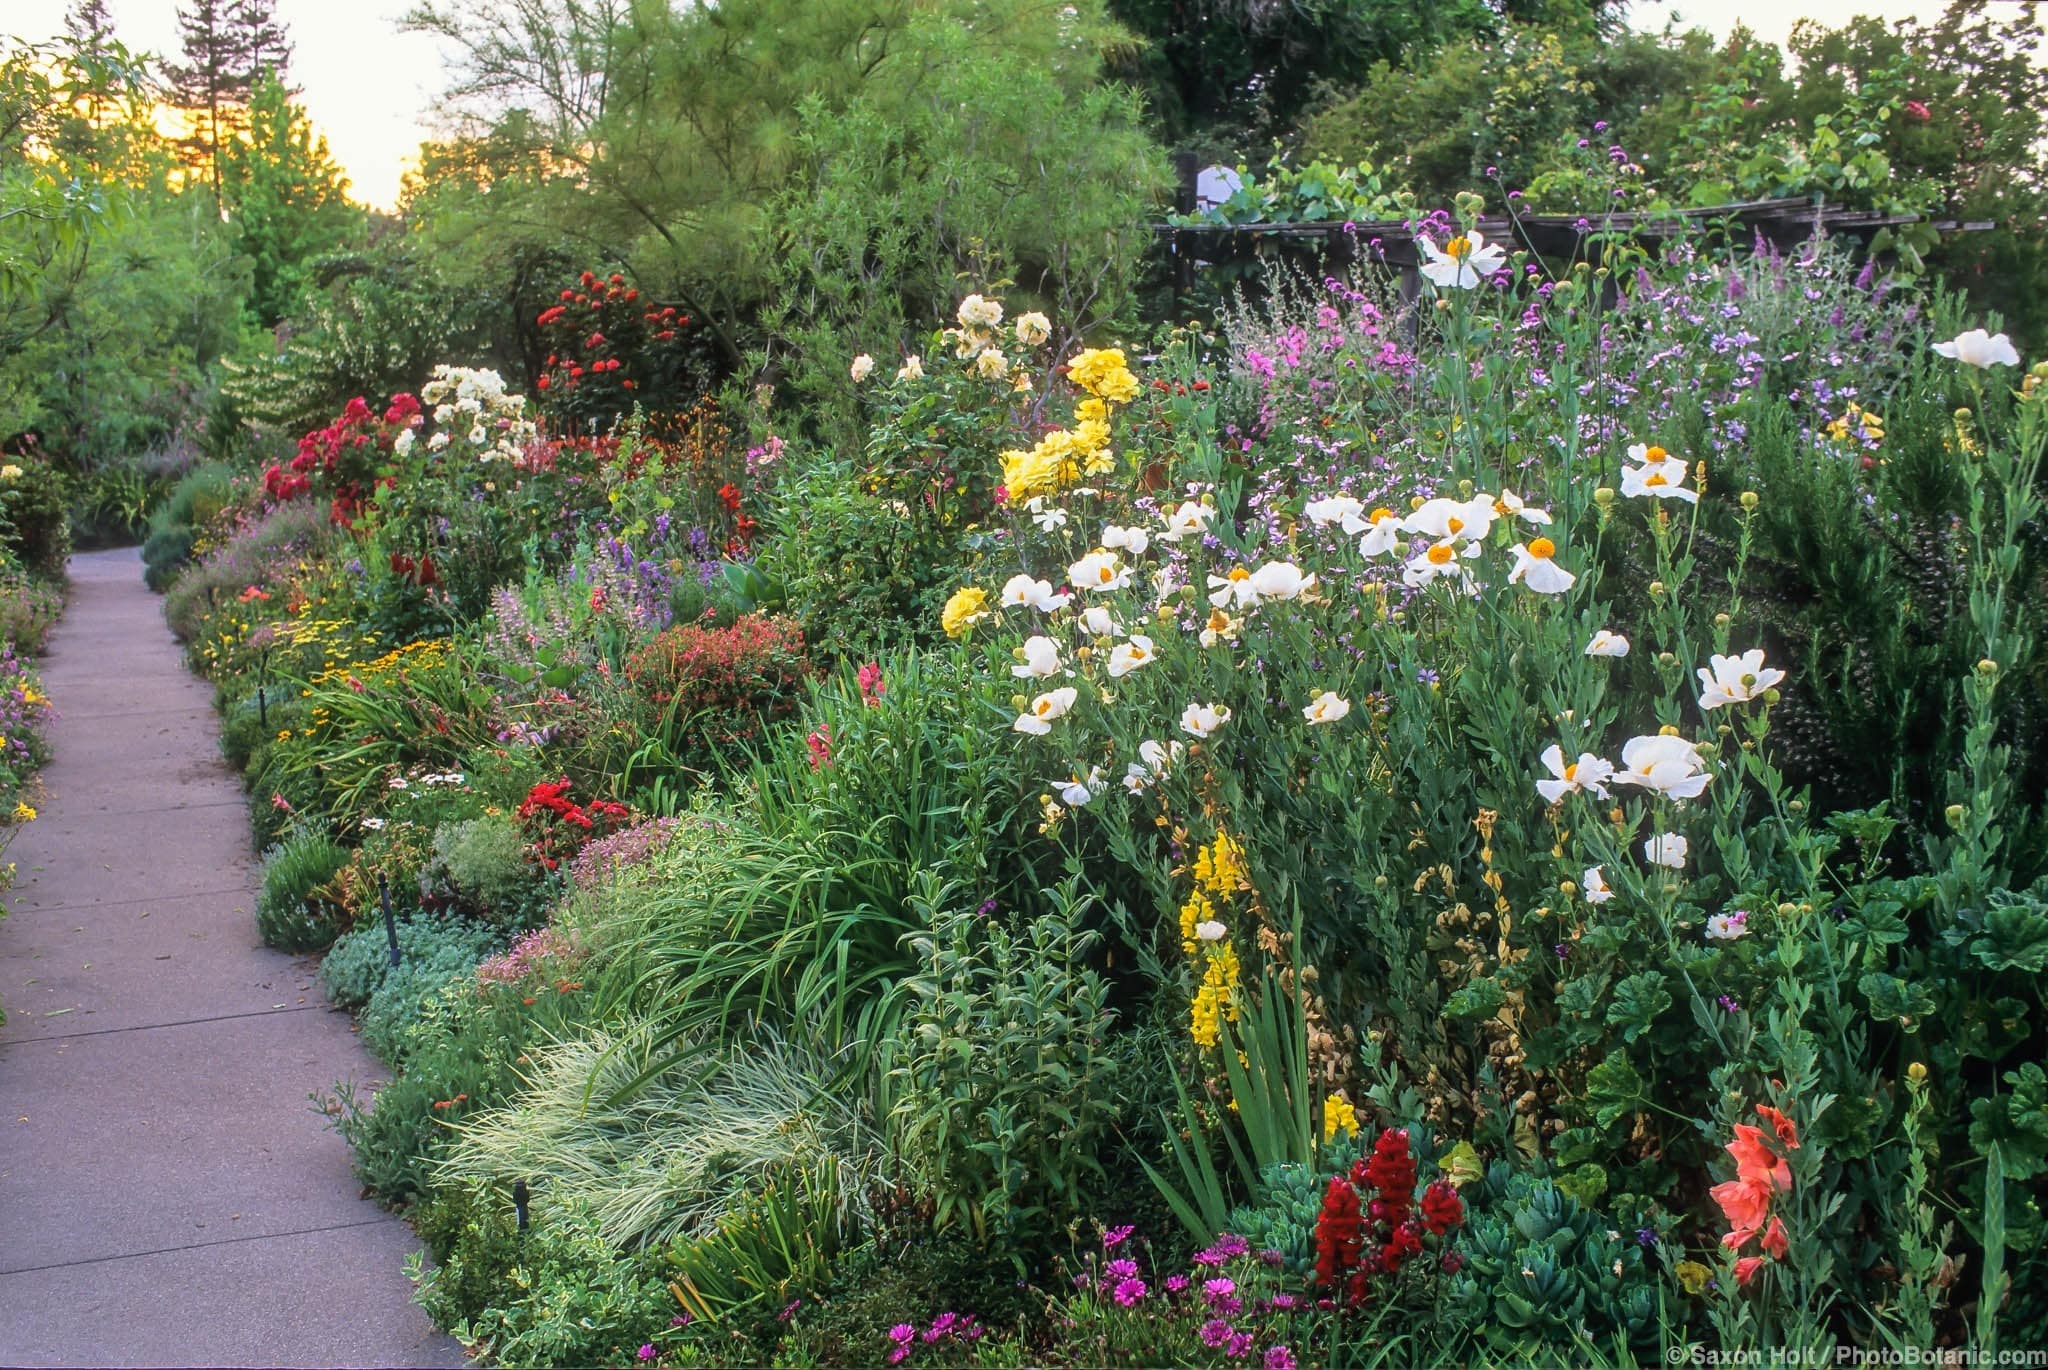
{"points": [[29, 606], [561, 1294], [1004, 1095], [406, 990], [708, 690], [35, 522], [261, 553], [298, 909], [360, 962], [486, 861]]}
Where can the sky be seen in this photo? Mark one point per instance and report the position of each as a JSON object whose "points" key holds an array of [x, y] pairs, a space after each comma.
{"points": [[370, 88]]}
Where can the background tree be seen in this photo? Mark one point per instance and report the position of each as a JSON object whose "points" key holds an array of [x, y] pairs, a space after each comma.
{"points": [[212, 83], [286, 198], [260, 38]]}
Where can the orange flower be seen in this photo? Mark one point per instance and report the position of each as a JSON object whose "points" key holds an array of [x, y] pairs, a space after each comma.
{"points": [[1788, 1133], [1776, 1242], [1755, 1162], [1746, 1268], [1744, 1204]]}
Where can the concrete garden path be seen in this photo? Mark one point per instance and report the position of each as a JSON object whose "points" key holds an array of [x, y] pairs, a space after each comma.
{"points": [[167, 1194]]}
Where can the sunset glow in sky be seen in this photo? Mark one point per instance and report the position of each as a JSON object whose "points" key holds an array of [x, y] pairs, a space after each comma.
{"points": [[370, 88]]}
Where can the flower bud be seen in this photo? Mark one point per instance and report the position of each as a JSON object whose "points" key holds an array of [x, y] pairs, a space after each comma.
{"points": [[1771, 696], [1019, 703], [1465, 489], [1443, 306], [1656, 589], [1987, 667], [1668, 730], [1786, 910], [1567, 888], [1955, 813], [1663, 658], [1797, 806], [1379, 882], [1963, 415], [1917, 1072], [1721, 620], [1604, 496], [1750, 500]]}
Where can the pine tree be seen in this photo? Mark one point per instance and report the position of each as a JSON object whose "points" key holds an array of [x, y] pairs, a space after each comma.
{"points": [[89, 25], [287, 200], [261, 39], [213, 82]]}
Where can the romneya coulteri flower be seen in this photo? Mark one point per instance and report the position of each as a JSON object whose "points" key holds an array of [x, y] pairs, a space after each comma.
{"points": [[1326, 707], [1736, 679], [1666, 849], [1535, 569], [1465, 261], [1605, 643], [1041, 659], [1200, 720], [1589, 773], [1978, 348], [1023, 592], [1043, 711], [1658, 474], [1669, 765], [1595, 882]]}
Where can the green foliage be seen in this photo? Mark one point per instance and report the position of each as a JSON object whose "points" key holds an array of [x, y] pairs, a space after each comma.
{"points": [[35, 522], [286, 199], [558, 1294], [1544, 1274], [406, 992], [485, 860], [360, 963], [780, 1242], [297, 909], [656, 1147], [1003, 1096]]}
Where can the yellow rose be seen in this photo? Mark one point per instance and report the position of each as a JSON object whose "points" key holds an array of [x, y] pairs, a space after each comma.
{"points": [[967, 607]]}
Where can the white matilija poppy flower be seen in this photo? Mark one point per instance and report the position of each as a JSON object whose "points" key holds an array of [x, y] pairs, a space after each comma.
{"points": [[1669, 765], [863, 367], [1129, 656], [1726, 927], [1660, 475], [1221, 627], [1535, 569], [1200, 720], [1588, 773], [1666, 849], [911, 370], [1132, 540], [1097, 622], [1078, 790], [1458, 521], [1736, 679], [1327, 707], [1462, 263], [1234, 590], [1281, 580], [1022, 592], [1159, 757], [1605, 643], [976, 312], [1508, 504], [1136, 778], [1041, 659], [1099, 571], [1209, 930], [1383, 534], [1595, 881], [1192, 519], [1046, 519], [1440, 560], [1045, 710], [1342, 510], [1978, 348]]}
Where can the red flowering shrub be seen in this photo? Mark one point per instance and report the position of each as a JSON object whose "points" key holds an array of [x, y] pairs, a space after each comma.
{"points": [[609, 349], [1369, 1227], [557, 827], [341, 460], [711, 688]]}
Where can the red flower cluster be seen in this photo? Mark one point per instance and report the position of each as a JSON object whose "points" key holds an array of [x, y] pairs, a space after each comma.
{"points": [[421, 572], [342, 457], [623, 328], [560, 826], [1369, 1225], [1761, 1175]]}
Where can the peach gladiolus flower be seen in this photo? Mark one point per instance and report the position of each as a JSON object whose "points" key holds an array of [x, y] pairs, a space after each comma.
{"points": [[1746, 1268], [1776, 1242]]}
